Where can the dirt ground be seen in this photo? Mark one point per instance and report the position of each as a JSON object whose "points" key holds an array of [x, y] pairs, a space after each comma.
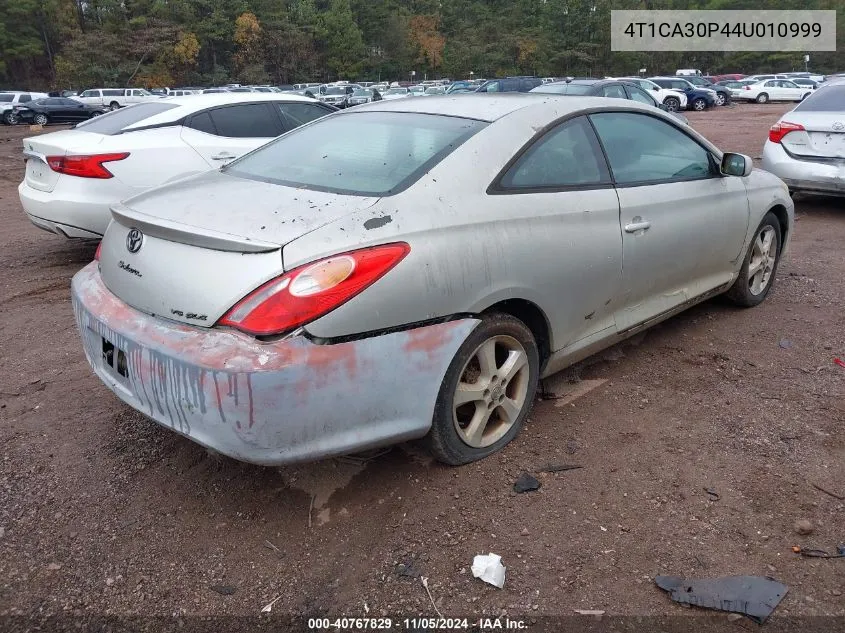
{"points": [[102, 512]]}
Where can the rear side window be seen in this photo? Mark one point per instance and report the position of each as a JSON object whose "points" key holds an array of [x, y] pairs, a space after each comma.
{"points": [[112, 93], [203, 123], [640, 95], [567, 156], [24, 98], [116, 121], [825, 99], [249, 120], [365, 154], [6, 97], [296, 114], [614, 90]]}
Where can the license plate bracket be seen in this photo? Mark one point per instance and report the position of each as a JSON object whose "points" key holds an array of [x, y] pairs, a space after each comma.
{"points": [[115, 358]]}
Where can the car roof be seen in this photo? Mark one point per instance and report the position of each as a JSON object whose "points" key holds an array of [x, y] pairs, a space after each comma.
{"points": [[188, 104], [487, 107]]}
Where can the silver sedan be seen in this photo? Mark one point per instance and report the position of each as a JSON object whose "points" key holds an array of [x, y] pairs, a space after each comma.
{"points": [[806, 147], [411, 269]]}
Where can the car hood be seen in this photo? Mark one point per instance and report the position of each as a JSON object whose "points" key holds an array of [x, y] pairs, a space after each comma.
{"points": [[218, 205]]}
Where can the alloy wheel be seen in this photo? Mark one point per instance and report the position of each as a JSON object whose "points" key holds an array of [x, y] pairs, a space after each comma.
{"points": [[491, 392], [763, 259]]}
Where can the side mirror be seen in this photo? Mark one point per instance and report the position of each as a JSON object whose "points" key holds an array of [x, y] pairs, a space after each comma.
{"points": [[736, 165]]}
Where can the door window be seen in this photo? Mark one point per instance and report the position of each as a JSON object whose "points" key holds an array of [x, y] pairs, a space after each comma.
{"points": [[640, 95], [614, 90], [90, 93], [296, 114], [24, 98], [249, 120], [642, 149], [567, 156]]}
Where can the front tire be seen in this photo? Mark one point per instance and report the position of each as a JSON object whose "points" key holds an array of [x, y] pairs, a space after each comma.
{"points": [[721, 99], [762, 98], [114, 105], [40, 119], [10, 118], [760, 265], [672, 104], [699, 104], [487, 391]]}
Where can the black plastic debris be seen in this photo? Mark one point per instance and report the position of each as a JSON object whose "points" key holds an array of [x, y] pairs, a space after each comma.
{"points": [[526, 483], [223, 590], [753, 596], [820, 553]]}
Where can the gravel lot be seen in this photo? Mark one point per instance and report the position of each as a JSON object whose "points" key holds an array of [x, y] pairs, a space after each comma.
{"points": [[104, 513]]}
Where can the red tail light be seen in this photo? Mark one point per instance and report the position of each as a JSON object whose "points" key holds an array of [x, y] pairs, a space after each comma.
{"points": [[746, 87], [312, 290], [85, 166], [781, 129], [97, 252]]}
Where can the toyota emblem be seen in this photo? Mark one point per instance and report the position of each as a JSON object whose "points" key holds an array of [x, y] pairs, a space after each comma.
{"points": [[134, 240], [838, 125]]}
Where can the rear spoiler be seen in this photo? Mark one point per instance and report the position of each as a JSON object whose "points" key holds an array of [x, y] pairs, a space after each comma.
{"points": [[187, 234]]}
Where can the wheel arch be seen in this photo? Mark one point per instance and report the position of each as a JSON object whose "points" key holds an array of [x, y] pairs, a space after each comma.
{"points": [[781, 214], [533, 317]]}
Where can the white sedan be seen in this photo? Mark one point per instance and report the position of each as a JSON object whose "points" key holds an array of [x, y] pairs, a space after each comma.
{"points": [[774, 90], [73, 177]]}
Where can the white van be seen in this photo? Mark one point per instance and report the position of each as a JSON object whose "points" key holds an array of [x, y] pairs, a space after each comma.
{"points": [[688, 72]]}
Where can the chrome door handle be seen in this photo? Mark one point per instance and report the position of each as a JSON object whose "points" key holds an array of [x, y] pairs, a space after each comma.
{"points": [[640, 225], [223, 156]]}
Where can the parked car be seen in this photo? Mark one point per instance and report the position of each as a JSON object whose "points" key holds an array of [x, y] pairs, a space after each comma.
{"points": [[723, 95], [804, 82], [114, 98], [8, 101], [757, 78], [774, 90], [806, 146], [614, 88], [338, 95], [734, 86], [362, 96], [282, 333], [688, 72], [510, 84], [55, 110], [416, 91], [73, 177], [697, 98], [434, 90], [674, 100], [395, 93]]}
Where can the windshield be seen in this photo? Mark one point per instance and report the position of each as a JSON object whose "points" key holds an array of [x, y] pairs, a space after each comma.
{"points": [[564, 89], [826, 99], [115, 121], [334, 90], [364, 154]]}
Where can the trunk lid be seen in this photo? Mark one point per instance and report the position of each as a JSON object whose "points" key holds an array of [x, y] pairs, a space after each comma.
{"points": [[36, 149], [820, 139], [205, 242]]}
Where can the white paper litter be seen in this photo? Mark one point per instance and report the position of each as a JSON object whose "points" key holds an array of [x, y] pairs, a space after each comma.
{"points": [[490, 569], [589, 611]]}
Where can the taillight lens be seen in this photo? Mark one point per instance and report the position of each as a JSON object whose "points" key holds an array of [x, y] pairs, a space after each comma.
{"points": [[312, 290], [97, 252], [746, 87], [85, 166], [781, 129]]}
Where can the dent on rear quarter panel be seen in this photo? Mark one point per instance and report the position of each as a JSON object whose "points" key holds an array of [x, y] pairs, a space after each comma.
{"points": [[271, 402]]}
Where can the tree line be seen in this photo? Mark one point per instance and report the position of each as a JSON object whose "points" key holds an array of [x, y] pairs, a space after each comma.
{"points": [[74, 44]]}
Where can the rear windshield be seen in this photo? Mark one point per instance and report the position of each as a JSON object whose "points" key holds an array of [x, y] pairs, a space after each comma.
{"points": [[363, 154], [825, 99], [6, 98], [564, 89], [114, 122]]}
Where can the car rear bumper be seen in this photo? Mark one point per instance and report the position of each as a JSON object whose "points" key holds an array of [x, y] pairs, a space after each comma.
{"points": [[267, 402], [825, 177], [75, 207]]}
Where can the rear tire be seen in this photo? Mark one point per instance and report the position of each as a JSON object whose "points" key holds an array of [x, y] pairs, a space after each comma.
{"points": [[757, 275], [487, 391], [40, 119], [114, 105], [672, 104], [699, 104], [762, 98]]}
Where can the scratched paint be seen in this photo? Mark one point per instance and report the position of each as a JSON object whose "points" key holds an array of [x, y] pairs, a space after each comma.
{"points": [[268, 403]]}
